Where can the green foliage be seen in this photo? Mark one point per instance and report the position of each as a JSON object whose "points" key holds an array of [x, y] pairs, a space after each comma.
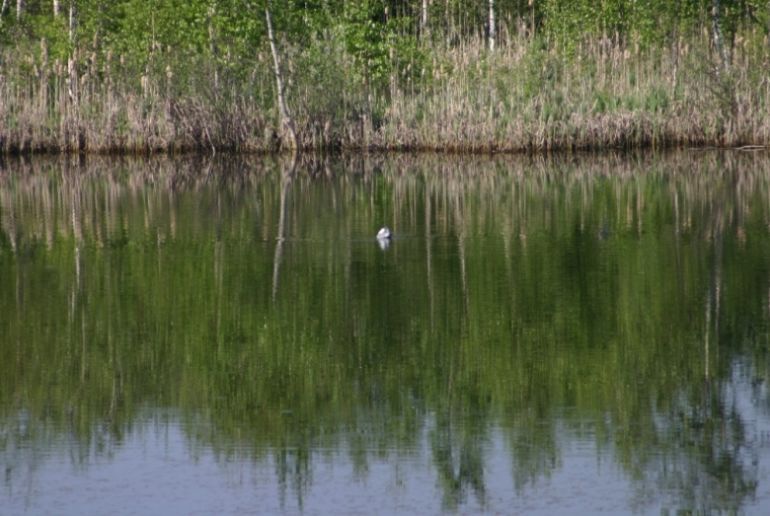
{"points": [[139, 30], [366, 37]]}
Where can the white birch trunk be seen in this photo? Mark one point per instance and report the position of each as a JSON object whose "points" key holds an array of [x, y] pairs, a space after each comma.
{"points": [[717, 33], [72, 76], [56, 7], [424, 18], [287, 125], [72, 21], [492, 28]]}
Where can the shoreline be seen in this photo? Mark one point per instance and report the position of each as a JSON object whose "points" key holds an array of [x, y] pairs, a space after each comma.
{"points": [[204, 151]]}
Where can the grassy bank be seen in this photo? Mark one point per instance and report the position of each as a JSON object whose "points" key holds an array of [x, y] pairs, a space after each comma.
{"points": [[524, 96]]}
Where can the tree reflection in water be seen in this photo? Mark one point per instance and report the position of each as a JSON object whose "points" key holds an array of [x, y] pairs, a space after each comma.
{"points": [[618, 300]]}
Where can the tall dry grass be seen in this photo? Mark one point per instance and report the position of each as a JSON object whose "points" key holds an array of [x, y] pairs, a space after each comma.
{"points": [[93, 105], [524, 96]]}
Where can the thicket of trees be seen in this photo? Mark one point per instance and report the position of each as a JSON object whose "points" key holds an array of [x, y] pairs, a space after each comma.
{"points": [[384, 47], [138, 28], [231, 31]]}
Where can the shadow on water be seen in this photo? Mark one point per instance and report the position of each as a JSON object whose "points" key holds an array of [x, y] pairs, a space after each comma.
{"points": [[616, 302]]}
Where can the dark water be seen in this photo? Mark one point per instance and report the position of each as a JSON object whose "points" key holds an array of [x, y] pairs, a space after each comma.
{"points": [[573, 335]]}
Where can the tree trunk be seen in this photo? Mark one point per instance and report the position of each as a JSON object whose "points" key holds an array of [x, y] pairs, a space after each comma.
{"points": [[73, 90], [289, 135], [287, 175], [56, 7], [717, 33], [491, 22], [213, 47], [424, 19], [532, 15], [3, 8], [19, 8], [72, 21]]}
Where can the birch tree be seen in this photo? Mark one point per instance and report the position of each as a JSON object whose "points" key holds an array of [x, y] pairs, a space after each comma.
{"points": [[289, 135], [424, 18], [491, 25], [717, 33]]}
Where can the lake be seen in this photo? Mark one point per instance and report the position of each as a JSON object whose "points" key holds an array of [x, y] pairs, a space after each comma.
{"points": [[225, 335]]}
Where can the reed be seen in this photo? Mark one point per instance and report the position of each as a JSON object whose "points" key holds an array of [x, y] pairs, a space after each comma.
{"points": [[525, 96], [606, 95]]}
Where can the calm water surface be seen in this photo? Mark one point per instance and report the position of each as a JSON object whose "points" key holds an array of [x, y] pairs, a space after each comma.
{"points": [[582, 334]]}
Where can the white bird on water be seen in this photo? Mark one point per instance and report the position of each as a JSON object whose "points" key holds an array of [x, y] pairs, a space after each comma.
{"points": [[384, 233]]}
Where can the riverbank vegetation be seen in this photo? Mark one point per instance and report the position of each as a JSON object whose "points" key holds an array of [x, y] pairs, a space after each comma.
{"points": [[460, 75]]}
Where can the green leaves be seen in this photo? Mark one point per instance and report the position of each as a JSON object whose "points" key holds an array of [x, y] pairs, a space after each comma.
{"points": [[366, 38]]}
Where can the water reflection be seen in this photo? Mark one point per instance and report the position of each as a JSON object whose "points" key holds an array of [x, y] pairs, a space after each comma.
{"points": [[530, 310]]}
